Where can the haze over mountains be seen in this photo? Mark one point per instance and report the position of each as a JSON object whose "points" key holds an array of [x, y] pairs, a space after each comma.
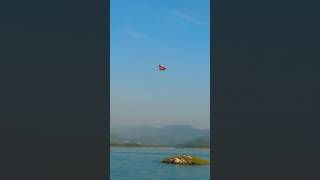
{"points": [[168, 136]]}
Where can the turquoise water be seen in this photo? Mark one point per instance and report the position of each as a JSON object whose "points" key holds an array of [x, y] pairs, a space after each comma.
{"points": [[145, 164]]}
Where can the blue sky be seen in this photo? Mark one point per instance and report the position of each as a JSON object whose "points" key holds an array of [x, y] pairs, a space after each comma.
{"points": [[145, 33]]}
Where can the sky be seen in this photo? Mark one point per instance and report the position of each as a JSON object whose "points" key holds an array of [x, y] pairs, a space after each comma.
{"points": [[146, 33]]}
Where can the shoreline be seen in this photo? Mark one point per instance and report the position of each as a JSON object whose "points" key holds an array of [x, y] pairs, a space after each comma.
{"points": [[160, 147]]}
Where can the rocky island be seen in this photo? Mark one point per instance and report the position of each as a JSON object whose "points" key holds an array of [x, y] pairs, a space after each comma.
{"points": [[186, 160]]}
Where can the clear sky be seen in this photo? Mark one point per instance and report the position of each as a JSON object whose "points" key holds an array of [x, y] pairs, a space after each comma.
{"points": [[174, 33]]}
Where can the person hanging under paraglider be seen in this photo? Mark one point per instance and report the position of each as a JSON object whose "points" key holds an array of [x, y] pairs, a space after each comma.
{"points": [[162, 67]]}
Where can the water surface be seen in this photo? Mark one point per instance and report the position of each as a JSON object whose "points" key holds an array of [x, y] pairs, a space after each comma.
{"points": [[144, 163]]}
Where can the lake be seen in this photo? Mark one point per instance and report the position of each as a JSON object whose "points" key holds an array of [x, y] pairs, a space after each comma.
{"points": [[144, 163]]}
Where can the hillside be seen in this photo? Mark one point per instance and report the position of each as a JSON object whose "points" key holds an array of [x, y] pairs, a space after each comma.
{"points": [[171, 135], [201, 142]]}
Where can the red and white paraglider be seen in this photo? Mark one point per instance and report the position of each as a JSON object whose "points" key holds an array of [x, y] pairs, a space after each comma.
{"points": [[162, 67]]}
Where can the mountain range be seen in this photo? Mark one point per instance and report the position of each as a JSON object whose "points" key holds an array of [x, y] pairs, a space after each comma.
{"points": [[168, 136]]}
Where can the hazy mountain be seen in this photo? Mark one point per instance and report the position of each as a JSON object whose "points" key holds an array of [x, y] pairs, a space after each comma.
{"points": [[115, 139], [202, 142], [171, 135]]}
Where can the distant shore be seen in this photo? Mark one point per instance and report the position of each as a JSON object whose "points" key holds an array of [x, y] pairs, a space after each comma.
{"points": [[156, 146]]}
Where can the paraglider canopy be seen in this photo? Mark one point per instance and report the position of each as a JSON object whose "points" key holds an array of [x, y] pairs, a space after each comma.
{"points": [[162, 67]]}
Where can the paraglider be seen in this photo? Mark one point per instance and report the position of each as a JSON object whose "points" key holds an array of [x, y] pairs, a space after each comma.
{"points": [[162, 67]]}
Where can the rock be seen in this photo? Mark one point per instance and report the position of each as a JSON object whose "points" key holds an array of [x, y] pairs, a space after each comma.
{"points": [[177, 160], [188, 157], [186, 160]]}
